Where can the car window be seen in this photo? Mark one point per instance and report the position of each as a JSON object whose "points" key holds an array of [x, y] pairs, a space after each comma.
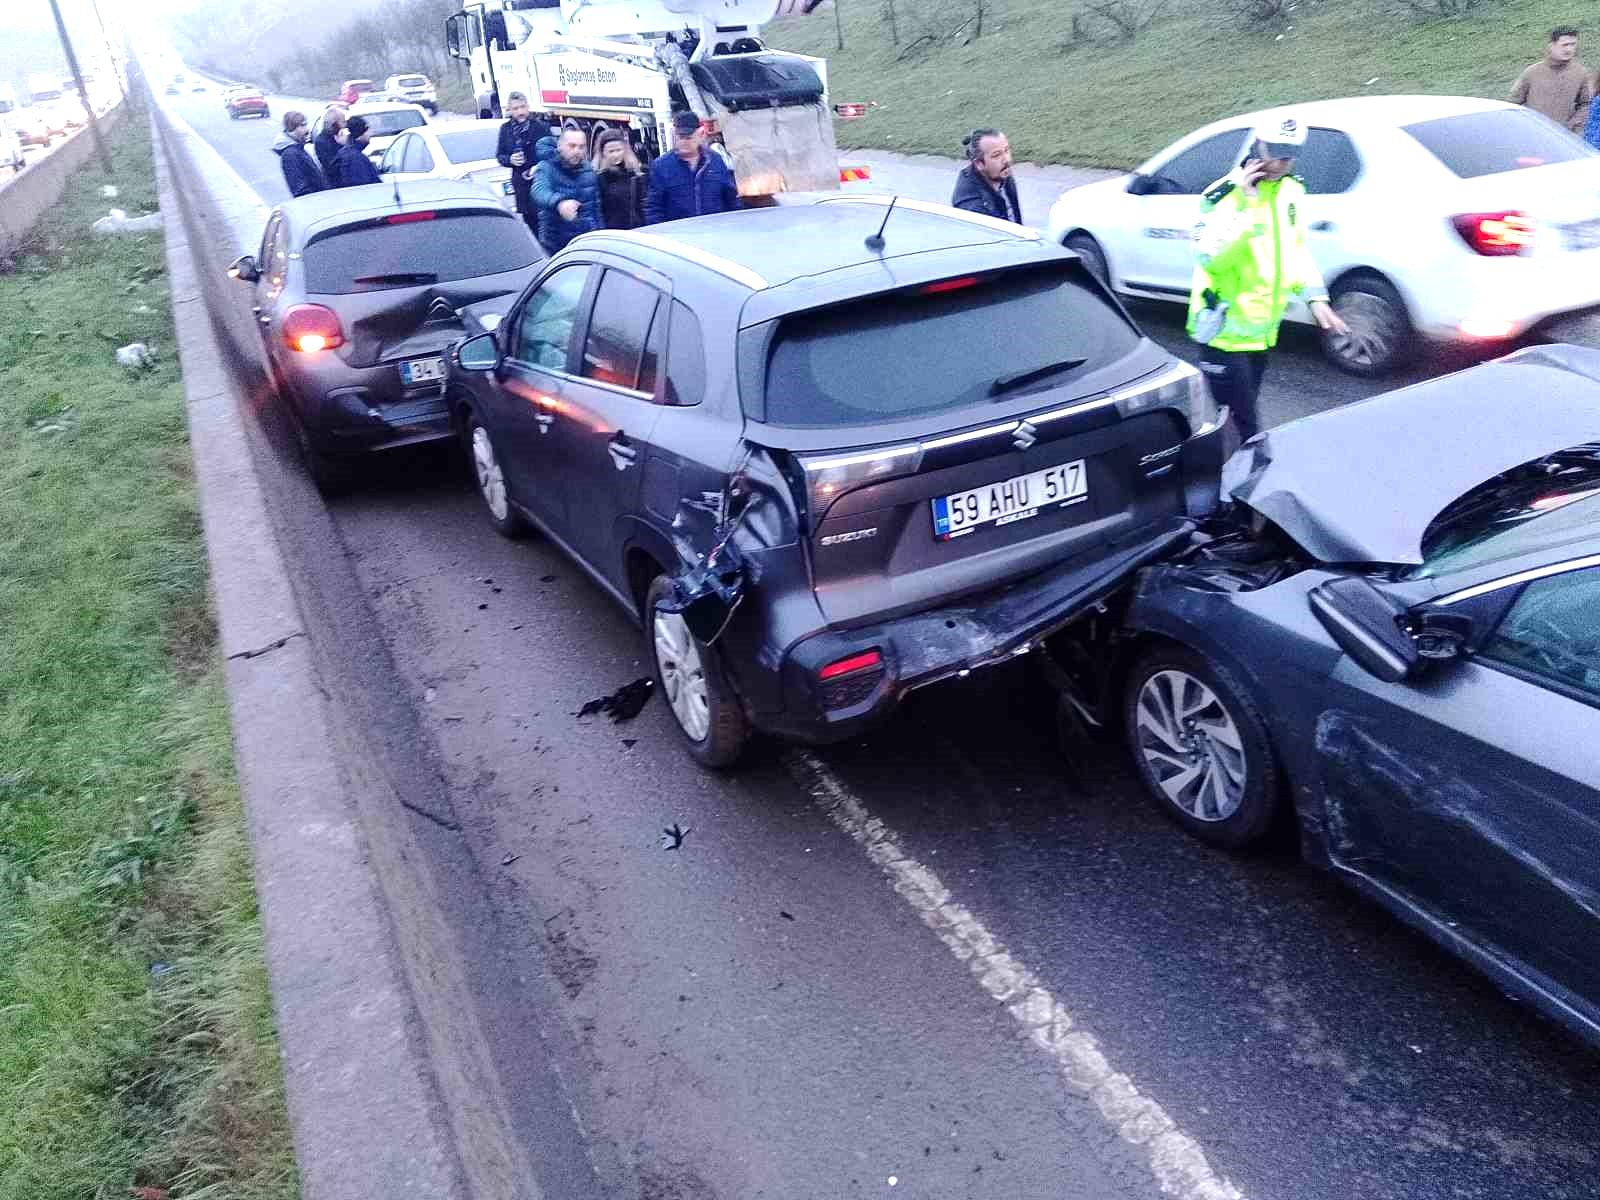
{"points": [[418, 158], [1198, 167], [1495, 141], [387, 124], [1328, 162], [394, 156], [1553, 632], [416, 248], [623, 310], [1537, 506], [686, 358], [545, 323], [471, 145], [650, 362], [907, 353]]}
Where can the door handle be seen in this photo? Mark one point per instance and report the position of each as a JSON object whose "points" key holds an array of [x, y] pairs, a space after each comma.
{"points": [[545, 420], [1323, 226], [623, 455]]}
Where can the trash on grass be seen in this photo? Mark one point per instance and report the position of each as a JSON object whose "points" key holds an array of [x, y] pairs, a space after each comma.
{"points": [[136, 356], [118, 221], [108, 191], [672, 837], [624, 703]]}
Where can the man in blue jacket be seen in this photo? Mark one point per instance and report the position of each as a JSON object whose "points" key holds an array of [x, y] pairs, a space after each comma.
{"points": [[566, 194], [300, 171], [327, 142], [353, 168], [516, 149], [691, 181]]}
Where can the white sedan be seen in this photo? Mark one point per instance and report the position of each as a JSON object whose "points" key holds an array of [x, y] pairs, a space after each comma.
{"points": [[385, 121], [1456, 219], [463, 150]]}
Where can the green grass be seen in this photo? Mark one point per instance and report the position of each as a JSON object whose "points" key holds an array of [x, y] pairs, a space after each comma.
{"points": [[1113, 104], [136, 1039]]}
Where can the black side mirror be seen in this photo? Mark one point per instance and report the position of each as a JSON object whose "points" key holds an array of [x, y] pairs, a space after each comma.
{"points": [[480, 353], [1365, 624], [1442, 636], [244, 269], [1139, 185]]}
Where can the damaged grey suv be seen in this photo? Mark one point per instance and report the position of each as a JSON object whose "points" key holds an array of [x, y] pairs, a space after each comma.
{"points": [[826, 454]]}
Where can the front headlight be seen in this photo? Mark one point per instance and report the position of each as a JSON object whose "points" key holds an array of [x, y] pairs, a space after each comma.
{"points": [[1179, 387]]}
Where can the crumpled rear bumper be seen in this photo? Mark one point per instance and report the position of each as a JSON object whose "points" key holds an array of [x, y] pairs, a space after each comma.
{"points": [[926, 647]]}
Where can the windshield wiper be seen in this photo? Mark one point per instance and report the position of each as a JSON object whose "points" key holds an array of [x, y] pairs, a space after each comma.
{"points": [[399, 277], [1010, 383]]}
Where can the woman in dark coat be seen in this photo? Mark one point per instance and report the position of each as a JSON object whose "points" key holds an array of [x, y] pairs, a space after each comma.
{"points": [[622, 181]]}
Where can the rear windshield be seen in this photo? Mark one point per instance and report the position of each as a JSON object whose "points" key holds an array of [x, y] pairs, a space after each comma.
{"points": [[910, 353], [375, 257], [1532, 507], [412, 81], [362, 85], [471, 145], [386, 124], [1502, 139]]}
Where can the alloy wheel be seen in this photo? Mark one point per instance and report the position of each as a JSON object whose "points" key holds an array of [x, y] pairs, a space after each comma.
{"points": [[683, 674], [1190, 745], [1371, 320], [491, 479]]}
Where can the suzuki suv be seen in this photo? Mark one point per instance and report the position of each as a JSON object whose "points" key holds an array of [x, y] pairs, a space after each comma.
{"points": [[827, 454]]}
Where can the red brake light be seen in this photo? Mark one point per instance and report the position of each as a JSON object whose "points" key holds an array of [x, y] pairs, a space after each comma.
{"points": [[311, 327], [1496, 235], [408, 218], [849, 666], [949, 285]]}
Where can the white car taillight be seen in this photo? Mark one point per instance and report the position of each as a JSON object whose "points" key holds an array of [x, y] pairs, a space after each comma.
{"points": [[1181, 387]]}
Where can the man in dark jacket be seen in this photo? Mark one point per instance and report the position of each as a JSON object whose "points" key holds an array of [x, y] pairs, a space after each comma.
{"points": [[985, 184], [519, 137], [300, 170], [691, 181], [566, 194], [353, 168], [327, 143]]}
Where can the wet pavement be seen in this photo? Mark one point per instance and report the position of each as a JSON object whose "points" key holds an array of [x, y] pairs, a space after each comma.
{"points": [[759, 1013]]}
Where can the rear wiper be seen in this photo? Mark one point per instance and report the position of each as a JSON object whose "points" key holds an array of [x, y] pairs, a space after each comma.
{"points": [[399, 277], [1010, 383]]}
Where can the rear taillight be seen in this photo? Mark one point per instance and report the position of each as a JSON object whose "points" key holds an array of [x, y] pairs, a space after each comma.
{"points": [[311, 327], [1496, 234], [865, 661], [408, 218], [850, 681], [949, 285]]}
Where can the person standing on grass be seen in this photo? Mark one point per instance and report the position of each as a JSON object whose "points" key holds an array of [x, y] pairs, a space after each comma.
{"points": [[985, 184], [353, 168], [300, 171], [1559, 86], [1250, 261], [621, 181], [566, 194], [691, 181], [518, 137], [327, 143]]}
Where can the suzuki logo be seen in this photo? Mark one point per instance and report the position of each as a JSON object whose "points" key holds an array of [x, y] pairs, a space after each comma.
{"points": [[440, 310], [1024, 436]]}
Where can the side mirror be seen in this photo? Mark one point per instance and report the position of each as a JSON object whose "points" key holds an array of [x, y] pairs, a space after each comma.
{"points": [[1442, 636], [480, 353], [244, 269], [1365, 624], [1139, 185]]}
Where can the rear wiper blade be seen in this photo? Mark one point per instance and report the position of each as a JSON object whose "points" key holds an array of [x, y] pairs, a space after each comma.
{"points": [[1010, 383], [399, 277]]}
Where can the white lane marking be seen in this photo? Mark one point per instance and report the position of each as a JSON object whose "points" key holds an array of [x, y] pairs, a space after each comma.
{"points": [[1176, 1160]]}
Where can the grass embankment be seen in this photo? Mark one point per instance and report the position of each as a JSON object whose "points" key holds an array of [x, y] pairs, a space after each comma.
{"points": [[1114, 103], [137, 1048]]}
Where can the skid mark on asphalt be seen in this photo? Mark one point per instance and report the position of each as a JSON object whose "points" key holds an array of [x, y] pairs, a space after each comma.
{"points": [[1176, 1160]]}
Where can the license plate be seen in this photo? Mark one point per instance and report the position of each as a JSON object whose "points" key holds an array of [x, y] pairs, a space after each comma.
{"points": [[1014, 499], [422, 370]]}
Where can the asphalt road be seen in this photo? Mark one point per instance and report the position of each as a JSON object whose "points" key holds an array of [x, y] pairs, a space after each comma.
{"points": [[763, 1013]]}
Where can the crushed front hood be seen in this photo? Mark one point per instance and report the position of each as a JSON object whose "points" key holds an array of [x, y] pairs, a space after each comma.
{"points": [[1362, 483]]}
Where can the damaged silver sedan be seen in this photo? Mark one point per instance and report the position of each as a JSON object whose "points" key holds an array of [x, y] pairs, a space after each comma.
{"points": [[1395, 638]]}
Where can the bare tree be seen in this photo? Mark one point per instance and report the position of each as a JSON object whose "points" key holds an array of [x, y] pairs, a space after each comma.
{"points": [[1128, 18], [894, 25]]}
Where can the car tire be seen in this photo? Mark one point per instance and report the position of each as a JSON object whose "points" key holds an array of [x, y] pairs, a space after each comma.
{"points": [[1380, 328], [1094, 258], [1201, 747], [489, 479], [694, 685]]}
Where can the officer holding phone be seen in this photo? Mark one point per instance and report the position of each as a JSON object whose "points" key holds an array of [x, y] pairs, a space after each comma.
{"points": [[1250, 261]]}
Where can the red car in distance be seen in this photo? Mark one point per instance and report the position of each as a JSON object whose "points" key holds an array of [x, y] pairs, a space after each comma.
{"points": [[245, 102], [354, 89]]}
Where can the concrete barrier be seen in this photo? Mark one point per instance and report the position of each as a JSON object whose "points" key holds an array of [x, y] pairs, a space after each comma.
{"points": [[28, 196]]}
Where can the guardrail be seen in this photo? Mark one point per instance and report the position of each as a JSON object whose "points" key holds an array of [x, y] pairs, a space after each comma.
{"points": [[28, 196]]}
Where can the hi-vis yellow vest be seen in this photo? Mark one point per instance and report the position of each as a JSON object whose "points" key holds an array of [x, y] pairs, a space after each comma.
{"points": [[1249, 251]]}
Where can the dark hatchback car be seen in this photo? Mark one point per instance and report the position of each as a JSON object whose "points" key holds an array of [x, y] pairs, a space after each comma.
{"points": [[1403, 648], [824, 471], [357, 292]]}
